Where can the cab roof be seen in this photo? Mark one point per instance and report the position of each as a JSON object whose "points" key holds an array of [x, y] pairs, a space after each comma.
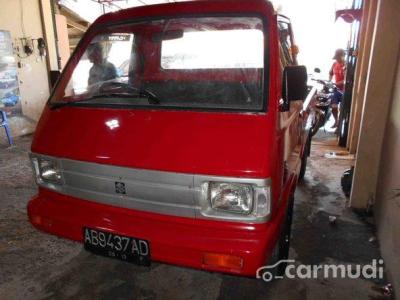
{"points": [[189, 8]]}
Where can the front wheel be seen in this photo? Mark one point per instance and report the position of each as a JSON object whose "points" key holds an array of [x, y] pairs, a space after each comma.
{"points": [[318, 121], [281, 249]]}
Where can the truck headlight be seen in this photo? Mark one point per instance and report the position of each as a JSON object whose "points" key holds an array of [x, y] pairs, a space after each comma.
{"points": [[240, 201], [46, 170], [232, 197]]}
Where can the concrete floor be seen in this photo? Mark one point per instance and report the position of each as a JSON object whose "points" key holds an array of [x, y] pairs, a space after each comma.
{"points": [[35, 265]]}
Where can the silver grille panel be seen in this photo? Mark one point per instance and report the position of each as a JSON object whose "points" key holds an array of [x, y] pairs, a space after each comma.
{"points": [[152, 191]]}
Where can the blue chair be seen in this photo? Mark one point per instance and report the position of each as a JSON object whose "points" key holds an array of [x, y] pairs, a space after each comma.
{"points": [[4, 123]]}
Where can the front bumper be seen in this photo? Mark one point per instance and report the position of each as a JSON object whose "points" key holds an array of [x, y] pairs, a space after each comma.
{"points": [[175, 240]]}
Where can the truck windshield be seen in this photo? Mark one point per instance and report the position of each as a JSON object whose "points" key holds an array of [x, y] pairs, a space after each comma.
{"points": [[199, 63]]}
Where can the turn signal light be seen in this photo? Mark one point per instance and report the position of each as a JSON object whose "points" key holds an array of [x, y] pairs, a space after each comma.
{"points": [[41, 221], [37, 220], [223, 261]]}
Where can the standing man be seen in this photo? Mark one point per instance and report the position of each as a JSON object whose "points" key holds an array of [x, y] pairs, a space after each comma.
{"points": [[338, 71], [102, 70]]}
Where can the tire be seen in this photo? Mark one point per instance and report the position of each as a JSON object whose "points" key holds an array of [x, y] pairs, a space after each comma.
{"points": [[314, 129], [346, 181], [317, 123], [281, 249], [306, 154]]}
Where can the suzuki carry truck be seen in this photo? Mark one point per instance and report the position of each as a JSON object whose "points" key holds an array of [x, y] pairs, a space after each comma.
{"points": [[176, 134]]}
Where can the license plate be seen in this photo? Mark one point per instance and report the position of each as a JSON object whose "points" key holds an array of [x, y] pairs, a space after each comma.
{"points": [[117, 246]]}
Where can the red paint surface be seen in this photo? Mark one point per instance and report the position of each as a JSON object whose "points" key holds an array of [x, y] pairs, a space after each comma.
{"points": [[175, 240], [229, 144]]}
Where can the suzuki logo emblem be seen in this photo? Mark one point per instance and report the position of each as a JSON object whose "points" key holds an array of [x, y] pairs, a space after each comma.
{"points": [[120, 187]]}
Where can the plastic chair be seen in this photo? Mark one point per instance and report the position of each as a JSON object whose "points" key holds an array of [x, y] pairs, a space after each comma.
{"points": [[4, 123]]}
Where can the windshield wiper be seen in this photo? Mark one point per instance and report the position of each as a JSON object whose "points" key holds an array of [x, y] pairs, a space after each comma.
{"points": [[151, 97]]}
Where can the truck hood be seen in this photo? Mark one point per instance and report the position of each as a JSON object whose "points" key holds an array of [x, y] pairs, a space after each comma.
{"points": [[222, 144]]}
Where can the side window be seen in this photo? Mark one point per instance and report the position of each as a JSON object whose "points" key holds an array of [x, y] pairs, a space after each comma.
{"points": [[285, 44]]}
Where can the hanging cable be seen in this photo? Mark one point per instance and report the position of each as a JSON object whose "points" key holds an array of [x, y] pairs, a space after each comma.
{"points": [[22, 18]]}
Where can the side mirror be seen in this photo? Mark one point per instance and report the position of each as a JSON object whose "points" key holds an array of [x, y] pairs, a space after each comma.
{"points": [[317, 70], [54, 75], [294, 85]]}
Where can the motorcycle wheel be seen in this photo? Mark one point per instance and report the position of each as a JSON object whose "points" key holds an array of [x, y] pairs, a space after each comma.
{"points": [[318, 122]]}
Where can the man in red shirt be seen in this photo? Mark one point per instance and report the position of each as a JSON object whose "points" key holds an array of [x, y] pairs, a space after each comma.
{"points": [[338, 71]]}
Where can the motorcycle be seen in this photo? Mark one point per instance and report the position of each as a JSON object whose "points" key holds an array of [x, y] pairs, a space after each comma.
{"points": [[322, 105]]}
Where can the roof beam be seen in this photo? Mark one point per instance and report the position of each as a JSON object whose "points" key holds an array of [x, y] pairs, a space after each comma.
{"points": [[76, 25]]}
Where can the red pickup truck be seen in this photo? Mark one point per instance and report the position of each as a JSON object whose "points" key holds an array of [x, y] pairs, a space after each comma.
{"points": [[187, 154]]}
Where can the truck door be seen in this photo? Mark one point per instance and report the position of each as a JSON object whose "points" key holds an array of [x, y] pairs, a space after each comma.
{"points": [[291, 121]]}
